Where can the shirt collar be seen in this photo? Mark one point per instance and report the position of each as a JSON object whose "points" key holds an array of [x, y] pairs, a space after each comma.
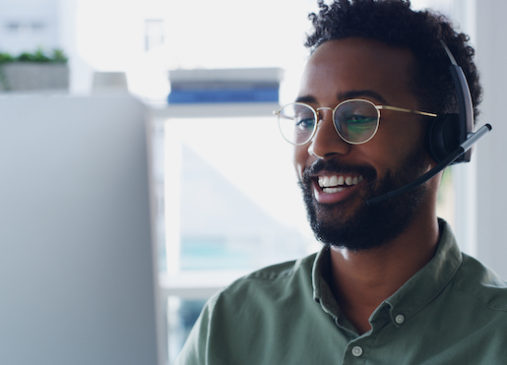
{"points": [[429, 282], [320, 271], [423, 287]]}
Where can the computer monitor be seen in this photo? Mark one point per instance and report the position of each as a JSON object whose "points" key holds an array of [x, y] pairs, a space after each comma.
{"points": [[76, 262]]}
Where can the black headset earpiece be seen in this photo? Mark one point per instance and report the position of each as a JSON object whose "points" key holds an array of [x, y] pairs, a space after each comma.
{"points": [[446, 132], [443, 136]]}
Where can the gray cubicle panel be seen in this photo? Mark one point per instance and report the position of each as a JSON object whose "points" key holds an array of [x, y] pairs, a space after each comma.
{"points": [[76, 268]]}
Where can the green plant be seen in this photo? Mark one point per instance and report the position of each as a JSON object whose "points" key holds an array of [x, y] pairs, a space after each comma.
{"points": [[39, 55], [59, 56], [5, 57]]}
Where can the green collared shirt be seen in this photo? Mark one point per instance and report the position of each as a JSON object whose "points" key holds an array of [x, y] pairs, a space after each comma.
{"points": [[452, 311]]}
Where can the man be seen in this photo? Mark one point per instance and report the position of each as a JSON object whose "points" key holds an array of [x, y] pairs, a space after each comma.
{"points": [[390, 285]]}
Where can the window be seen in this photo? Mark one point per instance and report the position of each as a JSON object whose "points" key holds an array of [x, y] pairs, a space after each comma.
{"points": [[231, 203]]}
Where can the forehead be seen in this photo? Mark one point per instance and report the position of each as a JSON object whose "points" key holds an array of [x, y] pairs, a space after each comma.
{"points": [[338, 67]]}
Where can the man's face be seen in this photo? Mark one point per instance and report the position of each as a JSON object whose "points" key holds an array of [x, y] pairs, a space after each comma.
{"points": [[336, 177]]}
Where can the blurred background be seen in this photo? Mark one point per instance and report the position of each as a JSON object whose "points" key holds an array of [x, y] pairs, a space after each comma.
{"points": [[223, 196]]}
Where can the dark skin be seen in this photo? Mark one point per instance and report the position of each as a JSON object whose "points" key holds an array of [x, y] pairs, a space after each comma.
{"points": [[368, 69]]}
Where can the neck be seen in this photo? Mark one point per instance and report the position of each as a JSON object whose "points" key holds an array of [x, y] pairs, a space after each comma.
{"points": [[364, 279]]}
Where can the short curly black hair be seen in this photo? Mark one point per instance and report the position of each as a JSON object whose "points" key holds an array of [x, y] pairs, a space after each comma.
{"points": [[394, 22]]}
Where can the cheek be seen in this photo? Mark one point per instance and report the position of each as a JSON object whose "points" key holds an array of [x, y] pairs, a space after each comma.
{"points": [[300, 159], [398, 139]]}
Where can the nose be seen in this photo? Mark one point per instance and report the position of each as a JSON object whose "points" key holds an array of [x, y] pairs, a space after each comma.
{"points": [[326, 141]]}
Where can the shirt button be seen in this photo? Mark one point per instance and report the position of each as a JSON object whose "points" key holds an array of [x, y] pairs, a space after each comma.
{"points": [[357, 351], [399, 319]]}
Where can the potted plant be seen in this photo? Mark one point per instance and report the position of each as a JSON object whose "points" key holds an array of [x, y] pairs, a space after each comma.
{"points": [[34, 71]]}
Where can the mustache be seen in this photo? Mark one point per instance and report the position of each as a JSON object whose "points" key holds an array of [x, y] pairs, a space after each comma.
{"points": [[337, 167]]}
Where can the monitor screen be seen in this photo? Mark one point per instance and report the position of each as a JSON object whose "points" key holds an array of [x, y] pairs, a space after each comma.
{"points": [[76, 268]]}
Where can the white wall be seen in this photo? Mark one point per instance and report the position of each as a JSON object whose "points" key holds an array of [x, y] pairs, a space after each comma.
{"points": [[34, 22], [491, 47]]}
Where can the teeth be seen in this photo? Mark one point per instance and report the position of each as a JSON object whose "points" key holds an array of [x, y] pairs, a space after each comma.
{"points": [[332, 190], [335, 181]]}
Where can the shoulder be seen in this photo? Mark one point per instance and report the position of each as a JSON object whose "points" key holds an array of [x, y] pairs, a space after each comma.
{"points": [[482, 286], [243, 314], [288, 278]]}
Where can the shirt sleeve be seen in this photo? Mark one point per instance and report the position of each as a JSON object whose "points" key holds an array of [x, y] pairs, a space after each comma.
{"points": [[196, 348]]}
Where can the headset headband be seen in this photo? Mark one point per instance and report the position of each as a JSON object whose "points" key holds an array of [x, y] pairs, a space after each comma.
{"points": [[465, 108]]}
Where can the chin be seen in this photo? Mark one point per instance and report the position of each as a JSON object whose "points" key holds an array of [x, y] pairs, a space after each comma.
{"points": [[356, 226]]}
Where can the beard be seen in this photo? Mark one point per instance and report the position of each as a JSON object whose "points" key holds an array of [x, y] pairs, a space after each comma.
{"points": [[369, 226]]}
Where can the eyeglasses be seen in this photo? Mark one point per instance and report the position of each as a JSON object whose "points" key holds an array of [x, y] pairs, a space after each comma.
{"points": [[356, 120]]}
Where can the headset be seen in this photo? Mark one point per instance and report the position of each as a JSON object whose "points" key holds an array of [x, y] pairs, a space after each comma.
{"points": [[449, 137], [448, 131]]}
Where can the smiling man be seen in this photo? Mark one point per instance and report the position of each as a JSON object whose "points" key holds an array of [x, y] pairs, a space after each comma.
{"points": [[390, 285]]}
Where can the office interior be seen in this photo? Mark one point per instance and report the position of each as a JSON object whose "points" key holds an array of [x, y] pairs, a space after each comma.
{"points": [[122, 213]]}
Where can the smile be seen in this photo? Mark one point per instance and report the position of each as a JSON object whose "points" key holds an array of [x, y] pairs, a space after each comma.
{"points": [[336, 183], [331, 188]]}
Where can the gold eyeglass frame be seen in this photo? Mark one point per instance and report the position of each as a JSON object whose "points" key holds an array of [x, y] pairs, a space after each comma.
{"points": [[317, 119]]}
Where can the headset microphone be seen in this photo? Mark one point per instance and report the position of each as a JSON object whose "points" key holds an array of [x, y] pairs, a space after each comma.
{"points": [[453, 156], [449, 136]]}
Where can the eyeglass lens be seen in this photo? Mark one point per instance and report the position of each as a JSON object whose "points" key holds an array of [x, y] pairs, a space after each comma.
{"points": [[297, 122], [356, 121]]}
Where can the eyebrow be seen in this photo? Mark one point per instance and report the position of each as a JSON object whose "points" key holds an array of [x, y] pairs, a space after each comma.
{"points": [[352, 94]]}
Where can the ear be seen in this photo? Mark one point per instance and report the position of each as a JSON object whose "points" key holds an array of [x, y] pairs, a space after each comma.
{"points": [[443, 136]]}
